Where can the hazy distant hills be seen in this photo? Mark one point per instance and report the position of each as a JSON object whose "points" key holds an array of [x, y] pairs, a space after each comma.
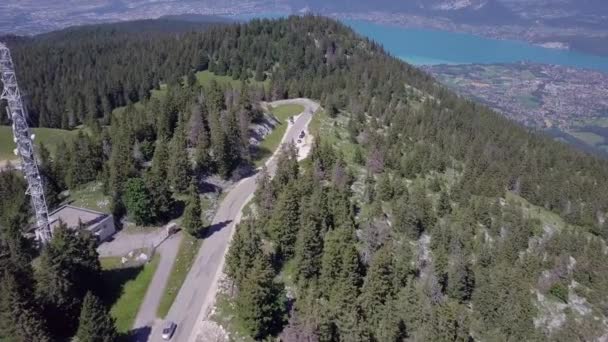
{"points": [[577, 24], [556, 12]]}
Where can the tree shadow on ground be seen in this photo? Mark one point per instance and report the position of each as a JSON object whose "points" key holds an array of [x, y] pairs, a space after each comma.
{"points": [[114, 281], [260, 153], [206, 187], [177, 209], [136, 335], [212, 229]]}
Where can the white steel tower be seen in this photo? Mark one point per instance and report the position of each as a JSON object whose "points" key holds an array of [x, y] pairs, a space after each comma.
{"points": [[25, 144]]}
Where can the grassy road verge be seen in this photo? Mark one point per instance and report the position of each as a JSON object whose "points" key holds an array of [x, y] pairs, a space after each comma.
{"points": [[125, 288], [186, 255], [272, 140]]}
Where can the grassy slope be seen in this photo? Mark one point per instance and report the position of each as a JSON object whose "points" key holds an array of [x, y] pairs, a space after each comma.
{"points": [[90, 196], [126, 288], [50, 137], [204, 79], [272, 140]]}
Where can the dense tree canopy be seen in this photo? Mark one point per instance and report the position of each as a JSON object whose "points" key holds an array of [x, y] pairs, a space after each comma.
{"points": [[418, 215]]}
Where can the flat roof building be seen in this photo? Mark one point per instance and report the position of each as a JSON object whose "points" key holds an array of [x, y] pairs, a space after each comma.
{"points": [[98, 223]]}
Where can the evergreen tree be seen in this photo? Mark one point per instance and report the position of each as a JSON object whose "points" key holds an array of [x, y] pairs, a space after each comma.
{"points": [[344, 297], [309, 245], [191, 79], [51, 179], [20, 318], [336, 242], [406, 220], [85, 161], [259, 72], [220, 143], [16, 251], [285, 222], [192, 222], [121, 164], [69, 268], [378, 286], [384, 187], [204, 161], [264, 194], [288, 168], [95, 324], [138, 202], [260, 302], [444, 206], [179, 161], [157, 184], [461, 279], [409, 307], [244, 250]]}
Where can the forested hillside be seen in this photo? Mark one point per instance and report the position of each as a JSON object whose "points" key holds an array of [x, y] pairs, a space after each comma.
{"points": [[419, 215]]}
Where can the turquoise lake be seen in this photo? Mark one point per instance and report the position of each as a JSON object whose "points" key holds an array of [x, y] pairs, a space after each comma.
{"points": [[428, 47], [419, 46]]}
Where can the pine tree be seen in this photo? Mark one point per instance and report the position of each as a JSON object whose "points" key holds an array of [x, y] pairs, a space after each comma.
{"points": [[20, 318], [179, 161], [309, 245], [192, 222], [409, 307], [85, 161], [95, 324], [260, 302], [244, 250], [121, 164], [378, 286], [444, 206], [156, 182], [191, 79], [384, 187], [69, 268], [406, 220], [51, 179], [288, 168], [220, 146], [204, 161], [461, 279], [264, 194], [285, 222], [348, 285], [259, 72]]}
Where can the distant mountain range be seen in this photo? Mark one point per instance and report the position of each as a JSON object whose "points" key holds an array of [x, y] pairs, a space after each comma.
{"points": [[470, 11], [577, 24], [557, 12]]}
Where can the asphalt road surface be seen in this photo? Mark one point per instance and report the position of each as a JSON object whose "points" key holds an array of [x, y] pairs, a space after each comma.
{"points": [[199, 289], [147, 311]]}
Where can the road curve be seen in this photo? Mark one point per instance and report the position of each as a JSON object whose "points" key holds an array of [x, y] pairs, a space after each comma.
{"points": [[198, 291]]}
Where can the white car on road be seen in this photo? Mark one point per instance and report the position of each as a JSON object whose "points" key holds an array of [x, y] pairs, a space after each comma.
{"points": [[169, 330]]}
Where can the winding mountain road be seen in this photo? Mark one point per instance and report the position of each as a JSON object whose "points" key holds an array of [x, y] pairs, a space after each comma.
{"points": [[197, 294]]}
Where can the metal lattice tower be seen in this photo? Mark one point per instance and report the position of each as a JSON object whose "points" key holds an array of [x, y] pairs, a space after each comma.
{"points": [[25, 145]]}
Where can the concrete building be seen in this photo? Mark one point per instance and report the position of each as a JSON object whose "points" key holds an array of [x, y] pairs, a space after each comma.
{"points": [[98, 223]]}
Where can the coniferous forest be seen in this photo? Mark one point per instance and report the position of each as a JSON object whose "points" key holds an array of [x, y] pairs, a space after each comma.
{"points": [[419, 215]]}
